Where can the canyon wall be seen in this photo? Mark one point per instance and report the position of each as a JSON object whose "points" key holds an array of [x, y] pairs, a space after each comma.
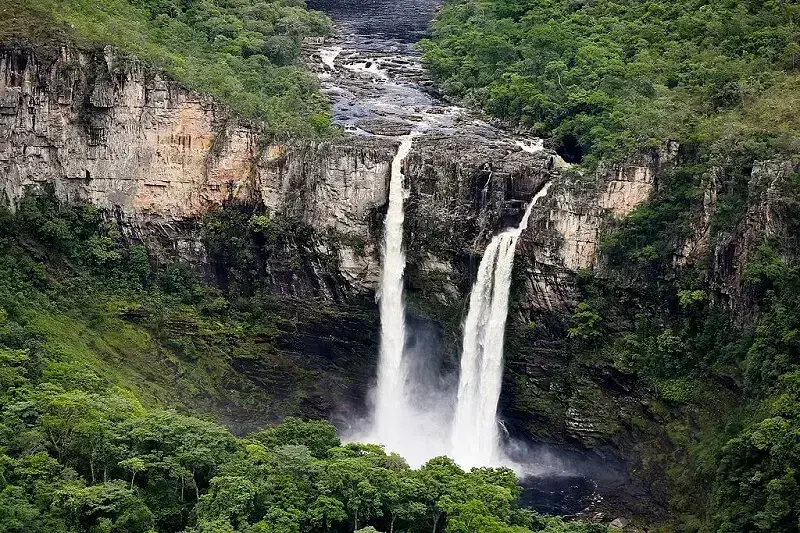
{"points": [[158, 157], [108, 130], [98, 127]]}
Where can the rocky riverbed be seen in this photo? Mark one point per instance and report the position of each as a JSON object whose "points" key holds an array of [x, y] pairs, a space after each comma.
{"points": [[376, 81]]}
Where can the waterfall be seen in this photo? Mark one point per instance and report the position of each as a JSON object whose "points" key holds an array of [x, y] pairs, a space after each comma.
{"points": [[475, 440], [392, 412]]}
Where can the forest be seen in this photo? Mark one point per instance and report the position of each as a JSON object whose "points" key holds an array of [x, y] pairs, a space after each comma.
{"points": [[605, 78], [246, 54]]}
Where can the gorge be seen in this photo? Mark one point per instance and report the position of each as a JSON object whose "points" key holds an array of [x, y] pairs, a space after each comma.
{"points": [[377, 86], [261, 269], [182, 155]]}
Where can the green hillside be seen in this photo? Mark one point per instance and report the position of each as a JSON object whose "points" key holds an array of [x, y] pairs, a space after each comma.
{"points": [[245, 53], [604, 78], [98, 341]]}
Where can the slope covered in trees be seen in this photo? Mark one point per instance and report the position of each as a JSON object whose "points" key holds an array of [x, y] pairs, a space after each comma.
{"points": [[245, 53], [604, 78], [711, 337]]}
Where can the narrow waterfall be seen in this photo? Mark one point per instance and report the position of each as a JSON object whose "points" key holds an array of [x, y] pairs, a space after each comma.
{"points": [[392, 413], [475, 437]]}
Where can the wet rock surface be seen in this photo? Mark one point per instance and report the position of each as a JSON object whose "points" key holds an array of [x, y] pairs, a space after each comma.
{"points": [[373, 75]]}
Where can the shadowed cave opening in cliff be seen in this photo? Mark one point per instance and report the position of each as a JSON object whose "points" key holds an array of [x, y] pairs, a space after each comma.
{"points": [[569, 148]]}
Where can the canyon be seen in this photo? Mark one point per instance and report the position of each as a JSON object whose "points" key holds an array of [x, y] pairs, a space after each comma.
{"points": [[106, 129], [100, 127]]}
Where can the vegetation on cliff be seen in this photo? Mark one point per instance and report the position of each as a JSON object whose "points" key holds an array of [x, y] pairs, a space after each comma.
{"points": [[705, 343], [606, 78], [245, 53], [91, 355], [734, 372]]}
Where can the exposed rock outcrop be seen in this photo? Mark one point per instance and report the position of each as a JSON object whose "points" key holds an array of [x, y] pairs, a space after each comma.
{"points": [[563, 236], [104, 129]]}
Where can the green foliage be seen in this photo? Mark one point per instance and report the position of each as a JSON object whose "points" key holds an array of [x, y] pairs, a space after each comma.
{"points": [[586, 322], [645, 241], [109, 465], [758, 485], [318, 437], [605, 78], [87, 444], [154, 326], [727, 386], [688, 298], [245, 53]]}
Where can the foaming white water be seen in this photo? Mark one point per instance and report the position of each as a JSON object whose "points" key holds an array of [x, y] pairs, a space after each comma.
{"points": [[475, 440], [400, 421], [392, 368], [370, 68], [329, 55], [531, 147]]}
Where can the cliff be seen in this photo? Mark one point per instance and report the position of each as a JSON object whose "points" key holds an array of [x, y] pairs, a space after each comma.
{"points": [[160, 158], [108, 130]]}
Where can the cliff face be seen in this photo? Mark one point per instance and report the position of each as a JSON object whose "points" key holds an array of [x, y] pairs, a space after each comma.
{"points": [[564, 233], [107, 130], [159, 158]]}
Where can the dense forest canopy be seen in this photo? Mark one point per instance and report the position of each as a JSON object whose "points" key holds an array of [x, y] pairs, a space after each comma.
{"points": [[607, 77], [244, 52]]}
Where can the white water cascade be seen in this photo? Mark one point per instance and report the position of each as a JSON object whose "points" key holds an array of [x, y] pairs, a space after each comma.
{"points": [[396, 423], [475, 440]]}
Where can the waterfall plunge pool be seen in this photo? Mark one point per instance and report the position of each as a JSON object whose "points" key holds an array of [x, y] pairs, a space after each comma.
{"points": [[563, 495]]}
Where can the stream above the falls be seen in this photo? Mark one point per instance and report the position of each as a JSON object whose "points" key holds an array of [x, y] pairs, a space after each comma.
{"points": [[384, 22], [375, 80]]}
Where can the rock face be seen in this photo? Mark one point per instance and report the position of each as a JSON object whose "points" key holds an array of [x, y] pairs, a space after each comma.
{"points": [[771, 218], [100, 128], [159, 157], [106, 130], [111, 132], [564, 233]]}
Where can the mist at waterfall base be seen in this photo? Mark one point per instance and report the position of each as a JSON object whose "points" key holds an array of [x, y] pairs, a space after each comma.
{"points": [[415, 409]]}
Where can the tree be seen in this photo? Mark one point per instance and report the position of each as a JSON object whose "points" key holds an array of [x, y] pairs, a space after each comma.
{"points": [[438, 477], [325, 511], [317, 435], [134, 465], [85, 507]]}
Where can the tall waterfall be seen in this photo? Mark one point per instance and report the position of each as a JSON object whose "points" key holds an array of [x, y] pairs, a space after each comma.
{"points": [[475, 437], [392, 413]]}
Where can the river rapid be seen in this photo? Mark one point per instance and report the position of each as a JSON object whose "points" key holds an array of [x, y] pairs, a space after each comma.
{"points": [[375, 79]]}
